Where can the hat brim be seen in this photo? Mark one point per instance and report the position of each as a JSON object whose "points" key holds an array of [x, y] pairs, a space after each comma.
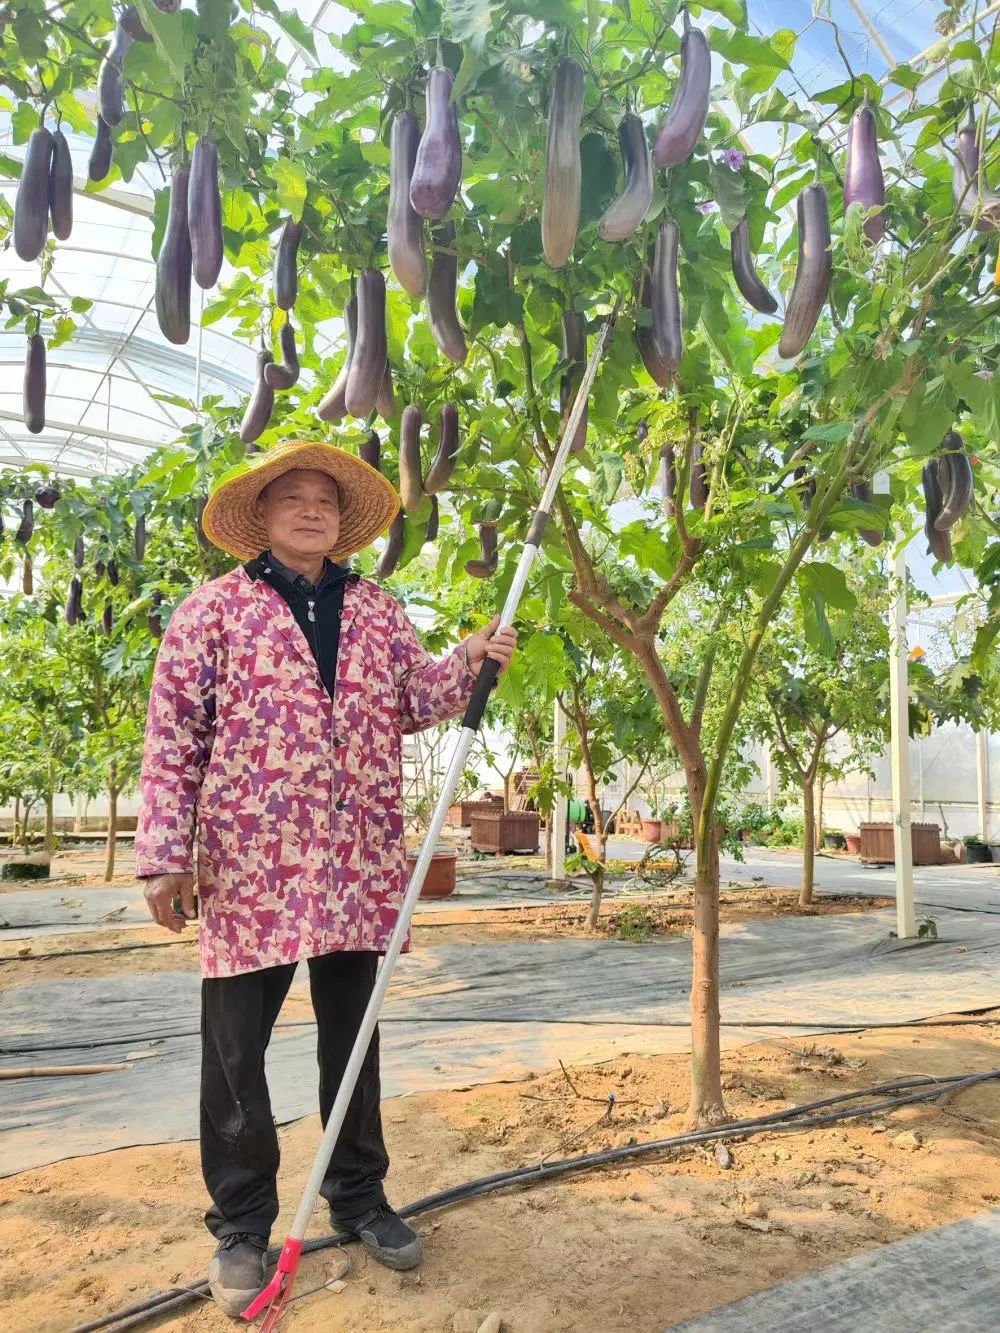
{"points": [[368, 502]]}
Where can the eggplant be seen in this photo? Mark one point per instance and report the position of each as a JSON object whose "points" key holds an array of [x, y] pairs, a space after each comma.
{"points": [[966, 182], [385, 403], [405, 226], [389, 558], [261, 404], [285, 273], [368, 363], [630, 208], [99, 567], [153, 623], [332, 407], [863, 180], [642, 430], [561, 201], [79, 552], [113, 572], [47, 497], [442, 296], [431, 530], [27, 525], [487, 563], [27, 577], [748, 280], [167, 6], [139, 540], [932, 502], [813, 271], [371, 452], [574, 350], [955, 482], [698, 487], [101, 153], [437, 168], [684, 122], [861, 490], [129, 19], [33, 397], [668, 479], [411, 490], [204, 209], [448, 446], [666, 329], [173, 266], [31, 203], [61, 187], [656, 367], [286, 374], [74, 601], [107, 618], [110, 80]]}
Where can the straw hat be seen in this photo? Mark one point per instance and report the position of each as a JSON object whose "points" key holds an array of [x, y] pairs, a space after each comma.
{"points": [[368, 502]]}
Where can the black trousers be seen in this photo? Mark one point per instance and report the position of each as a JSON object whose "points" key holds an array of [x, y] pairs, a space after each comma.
{"points": [[239, 1141]]}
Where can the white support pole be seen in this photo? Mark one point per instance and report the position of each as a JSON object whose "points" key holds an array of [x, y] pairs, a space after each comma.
{"points": [[559, 812], [770, 776], [899, 744], [983, 782]]}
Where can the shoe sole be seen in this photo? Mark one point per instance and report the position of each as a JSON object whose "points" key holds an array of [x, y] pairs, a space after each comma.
{"points": [[398, 1260], [231, 1300]]}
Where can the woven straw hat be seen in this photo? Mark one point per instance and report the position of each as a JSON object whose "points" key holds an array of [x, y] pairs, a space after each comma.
{"points": [[368, 502]]}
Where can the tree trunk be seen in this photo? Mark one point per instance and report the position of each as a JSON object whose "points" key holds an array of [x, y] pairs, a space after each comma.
{"points": [[49, 824], [15, 834], [595, 897], [818, 838], [109, 859], [808, 843], [26, 826], [707, 1106]]}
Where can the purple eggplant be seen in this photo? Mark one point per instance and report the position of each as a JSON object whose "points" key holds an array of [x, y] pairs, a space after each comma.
{"points": [[110, 80], [813, 271], [154, 624], [574, 351], [437, 169], [405, 226], [442, 296], [486, 565], [656, 367], [27, 524], [563, 170], [332, 406], [431, 530], [204, 209], [371, 452], [285, 273], [448, 446], [48, 497], [33, 396], [667, 327], [132, 23], [61, 187], [74, 601], [139, 539], [627, 212], [389, 558], [31, 203], [261, 404], [966, 183], [411, 489], [682, 128], [364, 379], [173, 265], [385, 403], [938, 542], [286, 374], [748, 280], [863, 180], [100, 155], [862, 491], [955, 481], [107, 618]]}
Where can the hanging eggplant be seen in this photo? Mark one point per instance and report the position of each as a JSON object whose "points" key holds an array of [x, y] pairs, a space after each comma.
{"points": [[656, 367], [699, 478], [47, 497], [110, 79], [101, 153], [100, 568], [666, 328], [813, 271], [368, 362], [79, 553], [574, 350], [261, 404], [113, 572], [938, 542], [955, 482], [486, 565], [448, 445], [61, 187], [684, 122], [27, 524], [285, 273], [385, 403], [863, 180], [966, 183], [630, 208], [139, 540], [74, 601], [132, 23], [437, 168], [332, 406], [411, 490], [27, 577], [405, 227], [153, 622], [389, 558], [31, 203], [861, 490], [107, 618], [371, 452], [748, 280], [284, 375], [33, 396], [561, 201], [173, 265], [204, 209], [431, 530], [668, 479], [442, 296]]}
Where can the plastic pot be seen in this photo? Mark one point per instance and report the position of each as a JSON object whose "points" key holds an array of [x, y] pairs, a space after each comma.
{"points": [[652, 830], [440, 879], [978, 853]]}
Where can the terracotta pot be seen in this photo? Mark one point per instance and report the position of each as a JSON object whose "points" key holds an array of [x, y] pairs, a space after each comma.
{"points": [[853, 843], [440, 878], [652, 830]]}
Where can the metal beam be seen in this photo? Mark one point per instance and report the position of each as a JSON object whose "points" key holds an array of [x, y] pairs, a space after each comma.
{"points": [[95, 431]]}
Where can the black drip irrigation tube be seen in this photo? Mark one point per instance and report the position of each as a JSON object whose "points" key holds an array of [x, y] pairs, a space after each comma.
{"points": [[890, 1096]]}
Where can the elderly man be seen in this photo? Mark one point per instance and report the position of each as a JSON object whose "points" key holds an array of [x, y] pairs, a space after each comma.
{"points": [[279, 699]]}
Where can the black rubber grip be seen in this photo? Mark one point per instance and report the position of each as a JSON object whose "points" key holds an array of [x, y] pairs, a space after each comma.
{"points": [[477, 704], [537, 529]]}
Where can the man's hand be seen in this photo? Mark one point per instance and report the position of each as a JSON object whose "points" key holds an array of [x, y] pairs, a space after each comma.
{"points": [[161, 890], [491, 642]]}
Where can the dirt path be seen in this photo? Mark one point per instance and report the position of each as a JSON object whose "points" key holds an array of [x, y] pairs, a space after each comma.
{"points": [[623, 1248]]}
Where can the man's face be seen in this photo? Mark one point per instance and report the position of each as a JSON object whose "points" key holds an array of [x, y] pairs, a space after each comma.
{"points": [[301, 511]]}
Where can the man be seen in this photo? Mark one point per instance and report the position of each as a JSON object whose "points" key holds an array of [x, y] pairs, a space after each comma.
{"points": [[279, 698]]}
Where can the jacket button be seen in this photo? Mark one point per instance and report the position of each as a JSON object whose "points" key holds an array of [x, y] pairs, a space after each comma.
{"points": [[337, 741], [340, 805]]}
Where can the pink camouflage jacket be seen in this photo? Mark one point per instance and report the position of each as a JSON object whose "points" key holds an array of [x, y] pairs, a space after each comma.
{"points": [[296, 797]]}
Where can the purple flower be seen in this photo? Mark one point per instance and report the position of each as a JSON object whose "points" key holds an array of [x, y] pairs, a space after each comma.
{"points": [[707, 207], [734, 157], [984, 374]]}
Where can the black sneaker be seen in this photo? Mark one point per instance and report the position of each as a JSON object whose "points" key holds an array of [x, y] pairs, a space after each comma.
{"points": [[236, 1272], [385, 1236]]}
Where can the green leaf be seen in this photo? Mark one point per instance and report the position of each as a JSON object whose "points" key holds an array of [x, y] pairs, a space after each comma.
{"points": [[607, 477], [290, 23], [167, 31], [469, 21], [290, 178], [753, 51], [23, 121], [729, 189], [62, 331], [906, 77], [80, 305], [829, 582]]}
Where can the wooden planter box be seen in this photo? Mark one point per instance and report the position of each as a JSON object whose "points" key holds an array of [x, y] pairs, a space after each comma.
{"points": [[877, 844], [493, 831], [469, 808]]}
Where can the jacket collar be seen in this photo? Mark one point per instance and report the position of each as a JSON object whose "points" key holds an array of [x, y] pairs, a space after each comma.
{"points": [[280, 614]]}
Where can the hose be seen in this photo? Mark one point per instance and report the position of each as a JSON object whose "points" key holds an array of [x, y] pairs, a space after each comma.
{"points": [[910, 1092]]}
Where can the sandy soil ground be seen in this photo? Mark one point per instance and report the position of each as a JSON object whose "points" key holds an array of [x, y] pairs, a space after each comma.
{"points": [[641, 1246]]}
